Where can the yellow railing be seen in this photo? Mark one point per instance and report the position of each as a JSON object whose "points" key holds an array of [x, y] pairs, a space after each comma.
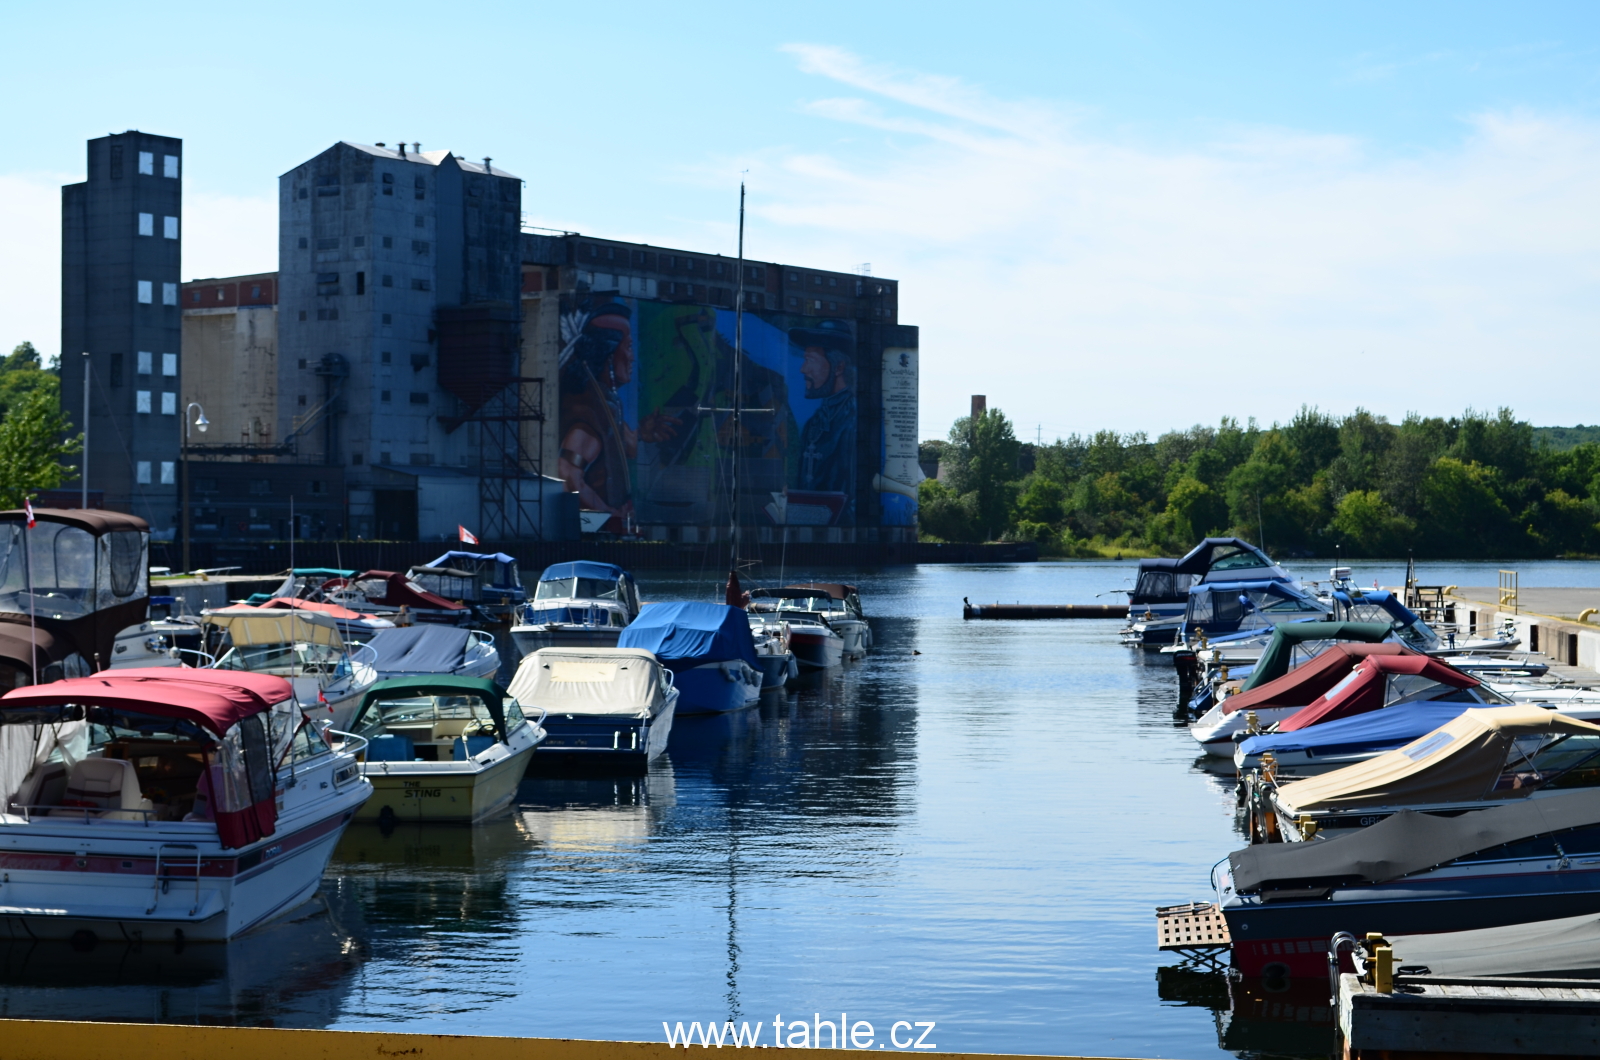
{"points": [[1508, 590]]}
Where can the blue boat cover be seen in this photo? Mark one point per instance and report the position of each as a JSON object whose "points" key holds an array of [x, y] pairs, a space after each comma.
{"points": [[419, 649], [691, 633], [1387, 729], [1384, 600], [582, 568]]}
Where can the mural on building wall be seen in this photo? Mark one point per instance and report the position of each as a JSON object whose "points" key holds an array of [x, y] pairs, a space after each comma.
{"points": [[646, 429]]}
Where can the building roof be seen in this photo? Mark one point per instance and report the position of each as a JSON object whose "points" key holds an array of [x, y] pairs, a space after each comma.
{"points": [[431, 158]]}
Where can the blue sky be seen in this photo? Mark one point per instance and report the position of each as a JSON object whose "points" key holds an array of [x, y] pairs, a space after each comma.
{"points": [[1128, 216]]}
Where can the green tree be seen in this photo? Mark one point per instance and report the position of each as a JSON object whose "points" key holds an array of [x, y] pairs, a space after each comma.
{"points": [[23, 372], [944, 515], [1366, 525], [1465, 514], [32, 449], [1193, 511], [991, 468]]}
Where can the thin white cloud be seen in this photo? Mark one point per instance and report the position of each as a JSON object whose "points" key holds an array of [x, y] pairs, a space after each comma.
{"points": [[1079, 280]]}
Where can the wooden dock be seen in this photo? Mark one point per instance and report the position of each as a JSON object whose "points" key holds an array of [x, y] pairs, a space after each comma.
{"points": [[1469, 1017]]}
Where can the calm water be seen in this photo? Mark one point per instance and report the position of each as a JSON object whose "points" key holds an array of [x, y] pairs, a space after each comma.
{"points": [[975, 835]]}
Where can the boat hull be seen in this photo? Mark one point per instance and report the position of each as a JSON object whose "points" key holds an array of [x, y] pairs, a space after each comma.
{"points": [[602, 742], [816, 651], [409, 791], [717, 688], [776, 670], [530, 639]]}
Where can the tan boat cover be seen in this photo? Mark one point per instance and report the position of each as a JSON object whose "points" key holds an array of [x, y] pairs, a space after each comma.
{"points": [[614, 681], [1457, 762], [253, 626]]}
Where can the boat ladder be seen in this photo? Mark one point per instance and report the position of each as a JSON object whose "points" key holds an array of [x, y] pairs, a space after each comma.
{"points": [[175, 855]]}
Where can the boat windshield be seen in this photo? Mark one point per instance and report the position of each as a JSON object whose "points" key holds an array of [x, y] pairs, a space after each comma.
{"points": [[430, 728], [578, 589], [1541, 762], [284, 660], [822, 604], [70, 572]]}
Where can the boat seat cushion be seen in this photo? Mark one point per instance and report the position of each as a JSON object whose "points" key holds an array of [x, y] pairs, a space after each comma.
{"points": [[391, 747], [107, 784]]}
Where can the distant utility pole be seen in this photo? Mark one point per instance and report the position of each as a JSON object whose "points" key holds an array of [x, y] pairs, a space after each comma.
{"points": [[1038, 436]]}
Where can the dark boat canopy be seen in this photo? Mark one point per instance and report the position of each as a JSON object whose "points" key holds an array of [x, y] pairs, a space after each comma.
{"points": [[1407, 842], [504, 566], [1160, 583], [94, 520], [582, 568], [424, 649]]}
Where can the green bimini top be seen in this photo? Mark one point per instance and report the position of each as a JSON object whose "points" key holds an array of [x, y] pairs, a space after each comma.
{"points": [[492, 694], [1274, 662]]}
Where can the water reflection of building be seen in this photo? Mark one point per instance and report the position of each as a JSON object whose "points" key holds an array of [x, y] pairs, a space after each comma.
{"points": [[294, 973]]}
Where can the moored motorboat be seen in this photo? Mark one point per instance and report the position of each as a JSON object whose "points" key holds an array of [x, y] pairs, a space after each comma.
{"points": [[303, 647], [390, 595], [609, 708], [442, 748], [1526, 862], [774, 658], [488, 581], [165, 804], [709, 650], [582, 604], [353, 625], [813, 638]]}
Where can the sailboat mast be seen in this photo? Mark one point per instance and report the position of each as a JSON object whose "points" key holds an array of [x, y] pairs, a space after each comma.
{"points": [[738, 359]]}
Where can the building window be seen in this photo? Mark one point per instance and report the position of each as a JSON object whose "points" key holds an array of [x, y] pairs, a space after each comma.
{"points": [[169, 227], [385, 357], [169, 403], [328, 244], [144, 362], [388, 318], [141, 472], [422, 285], [383, 395], [169, 472], [302, 401], [421, 459], [169, 364], [794, 303], [146, 292], [116, 369], [304, 243], [419, 397], [147, 167], [302, 363], [194, 296], [419, 221], [833, 307], [361, 283], [388, 189], [255, 290], [260, 487], [305, 193], [388, 281], [169, 294], [141, 403], [385, 457], [421, 189], [318, 486], [205, 485], [817, 304], [833, 281], [355, 458], [222, 294], [388, 242], [794, 277], [327, 314], [147, 224], [169, 167], [420, 246], [816, 281], [302, 314]]}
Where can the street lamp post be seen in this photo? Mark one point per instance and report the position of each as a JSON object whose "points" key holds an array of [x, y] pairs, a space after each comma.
{"points": [[201, 422]]}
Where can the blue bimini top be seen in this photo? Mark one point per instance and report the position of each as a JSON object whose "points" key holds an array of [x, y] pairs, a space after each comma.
{"points": [[689, 633], [1376, 730], [582, 568]]}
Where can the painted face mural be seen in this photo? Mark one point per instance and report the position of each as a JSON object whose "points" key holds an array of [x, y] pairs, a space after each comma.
{"points": [[646, 428]]}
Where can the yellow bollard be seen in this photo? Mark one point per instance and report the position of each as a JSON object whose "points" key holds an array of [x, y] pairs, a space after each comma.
{"points": [[1383, 969]]}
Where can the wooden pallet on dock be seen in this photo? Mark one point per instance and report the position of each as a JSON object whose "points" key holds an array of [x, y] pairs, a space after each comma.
{"points": [[1192, 929]]}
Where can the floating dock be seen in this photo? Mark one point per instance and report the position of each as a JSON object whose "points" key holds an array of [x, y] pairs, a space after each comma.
{"points": [[1436, 1016], [1043, 610]]}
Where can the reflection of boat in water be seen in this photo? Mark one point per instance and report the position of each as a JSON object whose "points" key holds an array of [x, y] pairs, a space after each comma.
{"points": [[1272, 1017], [589, 815], [292, 973]]}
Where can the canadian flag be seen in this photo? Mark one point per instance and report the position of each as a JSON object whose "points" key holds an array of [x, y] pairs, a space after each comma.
{"points": [[466, 535], [27, 504]]}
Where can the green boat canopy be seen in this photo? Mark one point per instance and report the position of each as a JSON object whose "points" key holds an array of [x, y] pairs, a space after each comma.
{"points": [[492, 694], [1274, 662]]}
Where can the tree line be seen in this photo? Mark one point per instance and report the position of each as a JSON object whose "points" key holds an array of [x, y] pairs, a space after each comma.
{"points": [[1470, 486]]}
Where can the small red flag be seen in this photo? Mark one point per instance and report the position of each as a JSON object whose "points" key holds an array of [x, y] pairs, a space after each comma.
{"points": [[466, 535], [27, 504]]}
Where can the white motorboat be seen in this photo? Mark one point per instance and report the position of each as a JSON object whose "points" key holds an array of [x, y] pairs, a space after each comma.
{"points": [[606, 707], [163, 804], [773, 657], [160, 642], [582, 604], [822, 631], [303, 647]]}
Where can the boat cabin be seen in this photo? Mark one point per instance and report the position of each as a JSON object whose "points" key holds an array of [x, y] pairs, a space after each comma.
{"points": [[1220, 608], [809, 599], [434, 719], [68, 586], [584, 592], [473, 577], [1228, 559]]}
